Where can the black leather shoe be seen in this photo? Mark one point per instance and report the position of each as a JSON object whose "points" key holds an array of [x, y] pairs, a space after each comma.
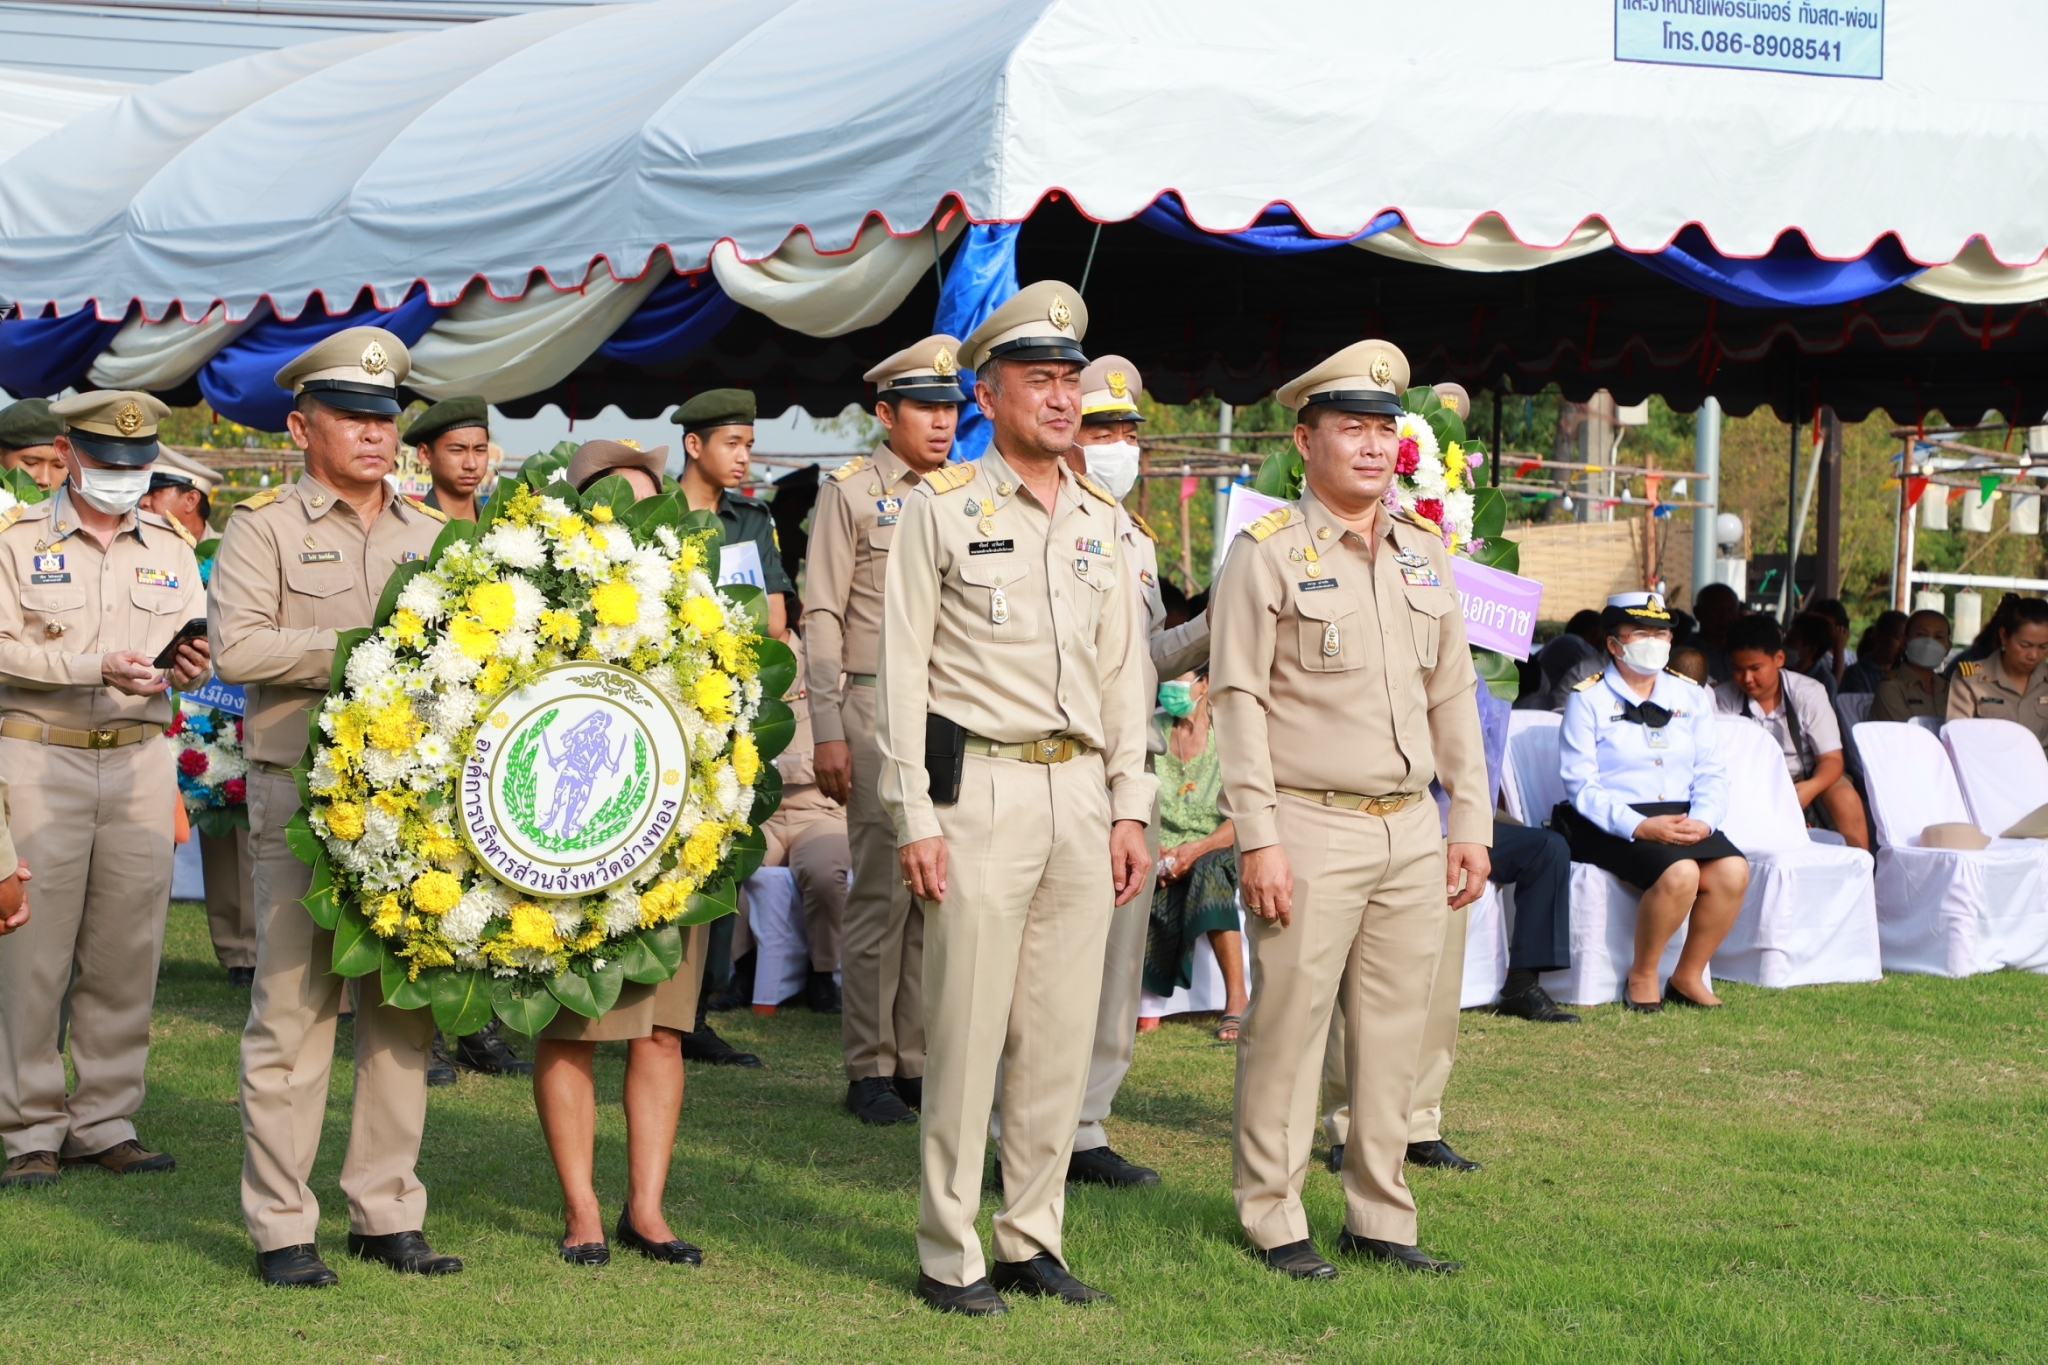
{"points": [[1044, 1277], [675, 1251], [586, 1253], [486, 1051], [975, 1300], [739, 987], [1102, 1166], [822, 995], [1679, 997], [873, 1099], [910, 1089], [297, 1267], [706, 1046], [440, 1071], [1394, 1253], [242, 977], [1438, 1153], [1535, 1005], [407, 1252], [1298, 1261], [1335, 1160], [1654, 1007]]}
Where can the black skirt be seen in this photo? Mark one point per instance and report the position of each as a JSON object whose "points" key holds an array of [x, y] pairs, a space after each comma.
{"points": [[1639, 862]]}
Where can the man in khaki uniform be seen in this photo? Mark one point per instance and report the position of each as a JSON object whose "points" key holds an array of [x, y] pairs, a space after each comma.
{"points": [[918, 401], [1341, 686], [1007, 616], [91, 591], [1106, 449], [298, 565]]}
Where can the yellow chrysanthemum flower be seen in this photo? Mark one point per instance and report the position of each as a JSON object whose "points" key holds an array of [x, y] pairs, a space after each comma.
{"points": [[496, 674], [345, 820], [532, 927], [389, 915], [435, 893], [393, 802], [395, 728], [559, 626], [407, 626], [602, 512], [746, 760], [703, 613], [473, 637], [731, 649], [616, 603], [493, 605], [349, 727], [700, 850], [714, 696], [571, 526], [1454, 462], [688, 557]]}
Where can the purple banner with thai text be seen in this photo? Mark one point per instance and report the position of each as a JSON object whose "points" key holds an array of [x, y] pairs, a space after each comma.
{"points": [[1500, 607]]}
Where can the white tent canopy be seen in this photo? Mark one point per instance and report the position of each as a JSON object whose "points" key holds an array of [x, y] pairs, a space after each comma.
{"points": [[556, 138]]}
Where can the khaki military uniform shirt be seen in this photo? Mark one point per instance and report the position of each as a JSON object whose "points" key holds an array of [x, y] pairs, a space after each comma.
{"points": [[1013, 620], [1170, 650], [1336, 670], [1981, 689], [1901, 696], [852, 526], [64, 602], [294, 571]]}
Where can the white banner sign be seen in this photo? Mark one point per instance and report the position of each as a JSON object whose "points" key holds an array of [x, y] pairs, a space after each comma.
{"points": [[741, 563], [1807, 39]]}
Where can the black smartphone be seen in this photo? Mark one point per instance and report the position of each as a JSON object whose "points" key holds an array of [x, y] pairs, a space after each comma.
{"points": [[191, 630]]}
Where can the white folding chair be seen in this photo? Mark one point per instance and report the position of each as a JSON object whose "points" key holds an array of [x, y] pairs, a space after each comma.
{"points": [[1945, 911], [2001, 769], [1603, 908], [1810, 914]]}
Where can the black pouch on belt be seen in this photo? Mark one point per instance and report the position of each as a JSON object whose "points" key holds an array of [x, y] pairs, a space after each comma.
{"points": [[945, 758]]}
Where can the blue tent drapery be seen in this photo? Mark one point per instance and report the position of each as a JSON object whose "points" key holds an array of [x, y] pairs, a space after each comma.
{"points": [[241, 380], [982, 279], [42, 357], [679, 315], [1276, 233], [1789, 274]]}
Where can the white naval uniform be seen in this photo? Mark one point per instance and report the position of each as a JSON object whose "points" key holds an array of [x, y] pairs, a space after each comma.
{"points": [[1611, 764]]}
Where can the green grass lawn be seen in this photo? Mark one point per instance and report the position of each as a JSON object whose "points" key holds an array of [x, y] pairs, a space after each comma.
{"points": [[1850, 1173]]}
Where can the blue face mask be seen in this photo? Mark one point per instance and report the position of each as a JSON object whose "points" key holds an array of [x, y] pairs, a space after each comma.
{"points": [[1177, 698]]}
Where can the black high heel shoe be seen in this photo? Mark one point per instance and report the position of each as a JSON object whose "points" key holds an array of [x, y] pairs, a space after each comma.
{"points": [[586, 1253], [1654, 1007], [1679, 997], [675, 1251]]}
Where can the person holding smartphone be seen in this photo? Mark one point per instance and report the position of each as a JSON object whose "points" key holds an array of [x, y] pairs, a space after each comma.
{"points": [[92, 591]]}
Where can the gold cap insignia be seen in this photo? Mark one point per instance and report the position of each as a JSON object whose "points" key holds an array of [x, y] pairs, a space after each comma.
{"points": [[1382, 369], [374, 359], [1119, 384], [1059, 315], [942, 362], [128, 420]]}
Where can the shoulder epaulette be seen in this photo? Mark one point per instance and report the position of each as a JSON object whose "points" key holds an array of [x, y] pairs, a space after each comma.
{"points": [[849, 469], [10, 516], [948, 477], [1269, 523], [1095, 488], [1681, 677], [1143, 529], [263, 499], [1586, 682], [436, 513], [1967, 668], [1419, 522], [175, 527]]}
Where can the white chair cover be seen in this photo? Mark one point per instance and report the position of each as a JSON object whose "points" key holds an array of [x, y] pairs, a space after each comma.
{"points": [[1852, 709], [1811, 911], [1603, 907], [2002, 771], [775, 913], [1947, 911]]}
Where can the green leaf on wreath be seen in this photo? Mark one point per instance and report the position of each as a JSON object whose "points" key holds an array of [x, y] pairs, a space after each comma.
{"points": [[610, 491], [1504, 555], [344, 645], [1447, 426], [400, 993], [357, 949], [1280, 475], [301, 840], [751, 600], [778, 666], [24, 488], [767, 794], [646, 514], [541, 470], [719, 899], [320, 900], [606, 982], [494, 509], [1489, 513], [206, 549], [774, 727], [1502, 675], [1421, 400], [387, 601], [695, 523], [748, 849], [651, 956], [302, 777], [572, 988], [524, 1004], [452, 532], [215, 822], [462, 1002]]}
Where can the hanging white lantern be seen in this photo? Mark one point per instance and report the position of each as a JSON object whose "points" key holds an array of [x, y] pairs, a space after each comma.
{"points": [[1969, 617], [2024, 517], [1977, 510], [1934, 508]]}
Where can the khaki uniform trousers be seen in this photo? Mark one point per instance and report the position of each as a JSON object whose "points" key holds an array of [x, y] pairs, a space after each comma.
{"points": [[1439, 1047], [230, 897], [881, 963], [1116, 1014], [813, 845], [288, 1052], [95, 828], [1028, 896], [1368, 919]]}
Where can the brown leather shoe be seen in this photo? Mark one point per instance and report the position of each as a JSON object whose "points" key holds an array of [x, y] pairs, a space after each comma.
{"points": [[30, 1168], [127, 1158]]}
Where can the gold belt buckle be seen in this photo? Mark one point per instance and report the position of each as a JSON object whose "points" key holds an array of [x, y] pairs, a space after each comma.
{"points": [[1049, 750], [100, 739], [1385, 805]]}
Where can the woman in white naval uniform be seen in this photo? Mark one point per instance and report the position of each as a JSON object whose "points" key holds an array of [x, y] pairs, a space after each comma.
{"points": [[1645, 795]]}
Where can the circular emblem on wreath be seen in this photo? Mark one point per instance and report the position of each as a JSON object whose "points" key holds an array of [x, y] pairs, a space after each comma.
{"points": [[579, 788]]}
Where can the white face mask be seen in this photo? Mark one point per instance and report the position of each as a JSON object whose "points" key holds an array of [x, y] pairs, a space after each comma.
{"points": [[1926, 651], [113, 491], [1114, 465], [1646, 654]]}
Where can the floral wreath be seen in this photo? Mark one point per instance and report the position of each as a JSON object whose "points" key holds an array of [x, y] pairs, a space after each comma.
{"points": [[213, 772], [1432, 479], [549, 577]]}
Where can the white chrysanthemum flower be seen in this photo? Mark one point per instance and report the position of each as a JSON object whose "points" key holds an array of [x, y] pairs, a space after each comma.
{"points": [[447, 662], [225, 764], [528, 602], [579, 556], [700, 585], [663, 680], [670, 542], [553, 508], [521, 547], [621, 911], [422, 597], [452, 712], [385, 768], [1458, 512], [380, 826], [726, 796], [568, 917], [323, 776], [369, 664]]}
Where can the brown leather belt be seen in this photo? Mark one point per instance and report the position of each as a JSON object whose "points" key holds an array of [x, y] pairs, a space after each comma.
{"points": [[1371, 805], [1037, 751], [106, 737]]}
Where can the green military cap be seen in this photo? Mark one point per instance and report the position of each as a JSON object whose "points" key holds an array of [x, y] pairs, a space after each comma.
{"points": [[28, 423], [358, 369], [114, 426], [716, 408], [448, 415]]}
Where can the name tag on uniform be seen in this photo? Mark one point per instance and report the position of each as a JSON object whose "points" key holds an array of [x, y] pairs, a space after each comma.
{"points": [[886, 521], [50, 563], [991, 547], [1656, 739], [320, 557], [1316, 584], [1420, 576], [1090, 547], [50, 577], [156, 578], [889, 507]]}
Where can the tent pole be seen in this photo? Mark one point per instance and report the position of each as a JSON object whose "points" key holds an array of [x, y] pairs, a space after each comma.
{"points": [[1089, 268], [938, 262], [1793, 513], [1496, 438], [1706, 441]]}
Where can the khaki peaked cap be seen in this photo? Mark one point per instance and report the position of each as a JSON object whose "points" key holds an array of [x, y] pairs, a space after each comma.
{"points": [[1109, 391], [358, 369], [929, 370], [173, 468], [114, 426], [1367, 377], [1042, 321], [593, 458]]}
